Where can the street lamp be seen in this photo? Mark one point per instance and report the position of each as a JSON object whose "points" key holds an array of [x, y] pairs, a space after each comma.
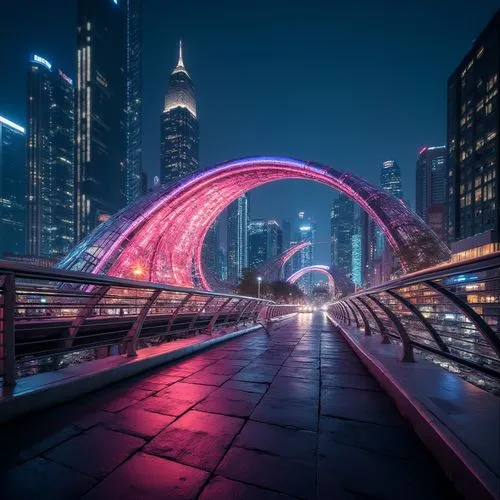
{"points": [[259, 279], [137, 272]]}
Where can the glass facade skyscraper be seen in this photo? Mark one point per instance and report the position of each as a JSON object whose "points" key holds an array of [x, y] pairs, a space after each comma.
{"points": [[179, 127], [257, 242], [50, 161], [390, 178], [342, 221], [263, 241], [100, 118], [133, 99], [12, 186], [237, 238], [473, 144], [430, 196], [304, 231]]}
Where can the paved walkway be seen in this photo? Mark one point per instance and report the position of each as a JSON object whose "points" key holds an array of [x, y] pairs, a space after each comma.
{"points": [[290, 415]]}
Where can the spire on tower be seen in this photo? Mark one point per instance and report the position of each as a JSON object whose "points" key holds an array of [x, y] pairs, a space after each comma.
{"points": [[181, 62]]}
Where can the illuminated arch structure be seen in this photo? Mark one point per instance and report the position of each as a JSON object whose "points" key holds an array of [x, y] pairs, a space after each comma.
{"points": [[271, 269], [163, 232], [338, 282]]}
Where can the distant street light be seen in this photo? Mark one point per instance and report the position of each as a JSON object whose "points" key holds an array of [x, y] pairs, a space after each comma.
{"points": [[259, 279]]}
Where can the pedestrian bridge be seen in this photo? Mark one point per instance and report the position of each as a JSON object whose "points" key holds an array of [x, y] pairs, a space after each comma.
{"points": [[146, 390]]}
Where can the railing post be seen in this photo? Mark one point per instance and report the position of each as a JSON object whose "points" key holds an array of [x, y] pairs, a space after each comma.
{"points": [[176, 311], [381, 327], [434, 334], [403, 334], [363, 317], [216, 315], [345, 313], [196, 316], [483, 327], [8, 333], [133, 334], [349, 306]]}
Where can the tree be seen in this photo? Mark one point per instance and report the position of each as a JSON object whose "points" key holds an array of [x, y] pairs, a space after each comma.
{"points": [[278, 291]]}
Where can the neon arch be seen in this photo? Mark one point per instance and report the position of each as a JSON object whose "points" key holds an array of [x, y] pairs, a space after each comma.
{"points": [[338, 282], [162, 233], [271, 269]]}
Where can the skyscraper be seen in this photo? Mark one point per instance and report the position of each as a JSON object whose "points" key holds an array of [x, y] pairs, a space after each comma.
{"points": [[133, 99], [473, 145], [430, 196], [390, 178], [237, 238], [12, 186], [274, 238], [100, 112], [210, 250], [342, 222], [263, 238], [50, 161], [179, 127], [286, 241], [304, 231], [257, 242]]}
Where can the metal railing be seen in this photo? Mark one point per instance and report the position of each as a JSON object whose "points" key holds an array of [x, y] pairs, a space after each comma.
{"points": [[450, 313], [50, 317]]}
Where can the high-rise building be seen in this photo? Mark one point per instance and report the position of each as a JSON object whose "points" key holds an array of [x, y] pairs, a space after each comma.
{"points": [[179, 127], [12, 186], [263, 241], [237, 238], [274, 238], [390, 178], [356, 258], [50, 161], [430, 196], [257, 242], [100, 112], [286, 241], [473, 146], [304, 231], [144, 183], [342, 225], [133, 99], [210, 250]]}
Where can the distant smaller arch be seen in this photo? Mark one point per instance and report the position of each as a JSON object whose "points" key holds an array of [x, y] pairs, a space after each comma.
{"points": [[337, 280]]}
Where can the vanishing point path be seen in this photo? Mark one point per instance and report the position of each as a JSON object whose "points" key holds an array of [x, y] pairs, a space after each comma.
{"points": [[292, 414]]}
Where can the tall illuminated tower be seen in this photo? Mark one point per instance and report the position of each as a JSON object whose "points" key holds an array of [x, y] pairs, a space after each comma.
{"points": [[179, 126], [100, 105], [473, 147], [237, 238], [12, 186], [133, 100], [390, 178], [50, 160], [430, 195]]}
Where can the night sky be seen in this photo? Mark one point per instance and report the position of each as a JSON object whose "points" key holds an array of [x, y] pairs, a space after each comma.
{"points": [[349, 84]]}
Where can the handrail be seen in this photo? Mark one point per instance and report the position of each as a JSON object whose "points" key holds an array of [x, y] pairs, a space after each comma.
{"points": [[447, 312], [46, 314]]}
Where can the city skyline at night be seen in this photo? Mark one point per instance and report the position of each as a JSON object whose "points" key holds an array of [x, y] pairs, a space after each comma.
{"points": [[221, 78]]}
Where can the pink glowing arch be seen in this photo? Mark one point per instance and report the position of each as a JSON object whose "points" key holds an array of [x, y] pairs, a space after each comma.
{"points": [[271, 269], [160, 236], [324, 270]]}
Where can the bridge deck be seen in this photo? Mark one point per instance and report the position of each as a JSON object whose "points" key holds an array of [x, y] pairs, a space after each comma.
{"points": [[292, 414]]}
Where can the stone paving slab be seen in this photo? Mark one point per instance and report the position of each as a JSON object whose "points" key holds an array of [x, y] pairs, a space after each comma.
{"points": [[293, 414]]}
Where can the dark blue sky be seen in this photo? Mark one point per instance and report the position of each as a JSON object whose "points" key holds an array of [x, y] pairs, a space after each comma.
{"points": [[349, 84]]}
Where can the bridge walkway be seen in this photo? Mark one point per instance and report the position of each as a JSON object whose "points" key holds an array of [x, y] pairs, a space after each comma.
{"points": [[292, 414]]}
